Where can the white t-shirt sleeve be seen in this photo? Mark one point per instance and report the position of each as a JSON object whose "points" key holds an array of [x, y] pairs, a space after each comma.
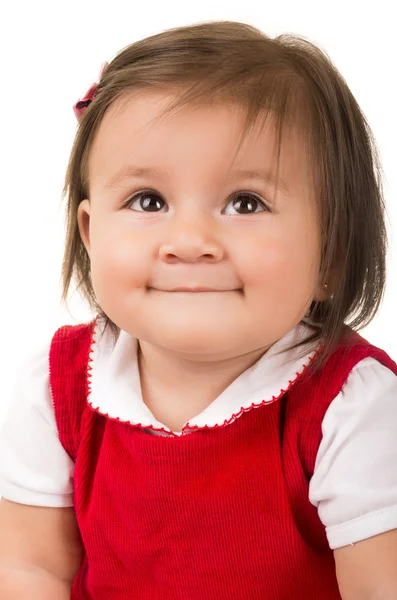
{"points": [[35, 469], [354, 485]]}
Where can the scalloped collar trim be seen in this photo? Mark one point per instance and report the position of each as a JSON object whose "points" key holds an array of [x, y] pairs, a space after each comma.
{"points": [[115, 390]]}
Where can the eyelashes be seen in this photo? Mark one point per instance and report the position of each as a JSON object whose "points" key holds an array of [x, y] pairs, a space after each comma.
{"points": [[248, 202]]}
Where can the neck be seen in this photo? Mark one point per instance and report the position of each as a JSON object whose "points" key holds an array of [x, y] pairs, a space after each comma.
{"points": [[177, 389]]}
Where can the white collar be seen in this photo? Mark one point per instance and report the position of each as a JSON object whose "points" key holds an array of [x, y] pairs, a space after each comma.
{"points": [[115, 390]]}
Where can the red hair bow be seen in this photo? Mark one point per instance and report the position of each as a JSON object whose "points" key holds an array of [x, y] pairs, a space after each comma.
{"points": [[88, 97]]}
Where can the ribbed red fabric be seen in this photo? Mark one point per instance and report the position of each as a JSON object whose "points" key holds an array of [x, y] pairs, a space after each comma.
{"points": [[218, 513]]}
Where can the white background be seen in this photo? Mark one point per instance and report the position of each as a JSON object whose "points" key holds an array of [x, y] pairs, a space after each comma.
{"points": [[50, 54]]}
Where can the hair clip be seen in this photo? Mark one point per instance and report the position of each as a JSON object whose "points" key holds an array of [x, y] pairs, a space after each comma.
{"points": [[88, 97]]}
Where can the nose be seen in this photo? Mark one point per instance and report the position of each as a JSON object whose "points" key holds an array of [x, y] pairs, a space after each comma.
{"points": [[191, 240]]}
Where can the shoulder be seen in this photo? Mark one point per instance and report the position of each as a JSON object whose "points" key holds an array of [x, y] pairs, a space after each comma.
{"points": [[369, 388], [68, 357], [72, 338], [351, 350], [355, 366]]}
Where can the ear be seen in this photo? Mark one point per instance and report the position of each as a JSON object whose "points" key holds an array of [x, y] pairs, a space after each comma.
{"points": [[83, 222], [323, 291]]}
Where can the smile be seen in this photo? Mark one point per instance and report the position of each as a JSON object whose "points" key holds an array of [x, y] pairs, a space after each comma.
{"points": [[193, 290]]}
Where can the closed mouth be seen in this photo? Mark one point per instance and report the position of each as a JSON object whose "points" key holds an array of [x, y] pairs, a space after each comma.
{"points": [[193, 290]]}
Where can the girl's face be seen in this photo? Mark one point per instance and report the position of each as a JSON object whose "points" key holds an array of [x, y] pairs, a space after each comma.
{"points": [[190, 224]]}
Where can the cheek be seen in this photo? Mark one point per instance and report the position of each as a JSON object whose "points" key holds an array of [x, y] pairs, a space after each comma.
{"points": [[284, 260], [118, 262]]}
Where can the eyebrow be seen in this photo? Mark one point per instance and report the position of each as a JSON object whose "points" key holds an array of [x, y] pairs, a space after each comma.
{"points": [[131, 171]]}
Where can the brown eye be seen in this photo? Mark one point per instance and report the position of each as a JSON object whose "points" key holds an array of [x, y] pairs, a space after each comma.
{"points": [[243, 203], [247, 204], [146, 202]]}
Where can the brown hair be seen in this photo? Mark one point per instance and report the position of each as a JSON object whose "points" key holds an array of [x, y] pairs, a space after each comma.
{"points": [[226, 61]]}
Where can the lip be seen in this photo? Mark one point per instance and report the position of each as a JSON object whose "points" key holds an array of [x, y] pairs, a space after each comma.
{"points": [[195, 290]]}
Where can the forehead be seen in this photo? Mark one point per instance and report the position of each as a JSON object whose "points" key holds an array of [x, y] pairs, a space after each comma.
{"points": [[203, 135]]}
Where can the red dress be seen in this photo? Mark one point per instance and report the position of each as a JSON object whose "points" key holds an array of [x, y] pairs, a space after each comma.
{"points": [[222, 513]]}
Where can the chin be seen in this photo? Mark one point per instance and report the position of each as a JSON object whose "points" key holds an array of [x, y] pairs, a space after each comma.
{"points": [[195, 343]]}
